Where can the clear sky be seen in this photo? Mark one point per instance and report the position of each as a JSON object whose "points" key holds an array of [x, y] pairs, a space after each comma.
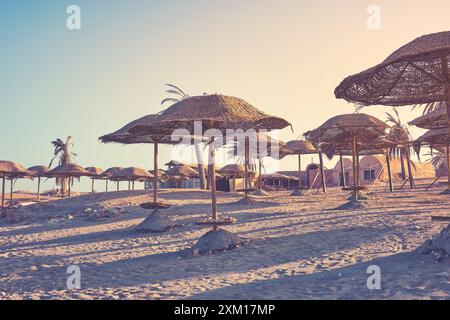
{"points": [[285, 57]]}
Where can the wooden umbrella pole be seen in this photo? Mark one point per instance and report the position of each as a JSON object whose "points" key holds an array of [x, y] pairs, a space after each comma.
{"points": [[357, 168], [117, 185], [212, 170], [344, 183], [260, 175], [355, 192], [448, 164], [106, 185], [410, 175], [70, 186], [246, 160], [3, 192], [447, 104], [155, 173], [299, 170], [322, 173], [388, 162], [39, 189], [11, 189], [92, 185]]}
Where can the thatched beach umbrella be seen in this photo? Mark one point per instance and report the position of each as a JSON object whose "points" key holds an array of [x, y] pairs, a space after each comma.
{"points": [[9, 169], [350, 129], [123, 136], [178, 173], [107, 175], [39, 172], [95, 174], [263, 146], [380, 146], [69, 170], [301, 147], [417, 73], [132, 174], [215, 112]]}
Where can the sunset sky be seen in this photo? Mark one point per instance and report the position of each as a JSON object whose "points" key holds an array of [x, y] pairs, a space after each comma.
{"points": [[284, 57]]}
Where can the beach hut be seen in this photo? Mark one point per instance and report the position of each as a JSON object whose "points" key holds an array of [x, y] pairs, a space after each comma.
{"points": [[216, 112], [416, 73], [39, 172], [69, 170], [95, 174], [352, 130], [11, 170], [232, 177]]}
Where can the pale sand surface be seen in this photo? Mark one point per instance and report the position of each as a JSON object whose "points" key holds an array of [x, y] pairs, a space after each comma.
{"points": [[298, 248]]}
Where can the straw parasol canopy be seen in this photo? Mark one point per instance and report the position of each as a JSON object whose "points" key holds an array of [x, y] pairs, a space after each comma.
{"points": [[12, 170], [434, 119], [232, 170], [354, 130], [107, 174], [217, 112], [132, 174], [301, 147], [342, 128], [9, 168], [95, 174], [184, 172], [94, 171], [39, 172], [417, 73], [69, 170], [124, 136]]}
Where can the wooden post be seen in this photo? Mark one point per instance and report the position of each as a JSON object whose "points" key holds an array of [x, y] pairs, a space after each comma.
{"points": [[358, 176], [410, 174], [445, 72], [212, 179], [70, 186], [92, 185], [388, 162], [3, 191], [106, 185], [299, 171], [355, 181], [448, 165], [155, 173], [246, 162], [322, 173], [11, 189], [344, 183], [39, 189], [117, 185], [260, 175]]}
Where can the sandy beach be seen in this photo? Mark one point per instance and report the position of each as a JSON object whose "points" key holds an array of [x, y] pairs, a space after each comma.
{"points": [[295, 248]]}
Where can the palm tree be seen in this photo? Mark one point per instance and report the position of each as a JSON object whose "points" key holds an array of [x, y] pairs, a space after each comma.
{"points": [[400, 133], [63, 153], [181, 95]]}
